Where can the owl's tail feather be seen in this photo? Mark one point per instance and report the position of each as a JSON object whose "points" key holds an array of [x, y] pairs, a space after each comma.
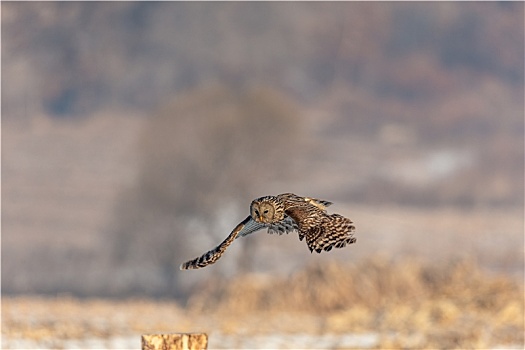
{"points": [[213, 255]]}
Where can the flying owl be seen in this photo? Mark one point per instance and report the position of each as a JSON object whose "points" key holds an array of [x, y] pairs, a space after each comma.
{"points": [[285, 213]]}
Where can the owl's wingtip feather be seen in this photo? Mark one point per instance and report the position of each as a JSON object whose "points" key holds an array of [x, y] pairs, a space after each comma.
{"points": [[186, 266]]}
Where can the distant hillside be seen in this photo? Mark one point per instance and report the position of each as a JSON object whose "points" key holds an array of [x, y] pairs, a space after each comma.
{"points": [[74, 58], [135, 134]]}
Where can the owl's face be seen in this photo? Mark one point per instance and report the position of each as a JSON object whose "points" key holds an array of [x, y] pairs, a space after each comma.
{"points": [[266, 211]]}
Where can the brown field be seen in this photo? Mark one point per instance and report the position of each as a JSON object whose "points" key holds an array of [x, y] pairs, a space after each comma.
{"points": [[378, 303]]}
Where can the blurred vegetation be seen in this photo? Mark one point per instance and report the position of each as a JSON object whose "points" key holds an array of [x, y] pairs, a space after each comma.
{"points": [[136, 133], [409, 75], [374, 283], [196, 171], [76, 58], [403, 304], [448, 304]]}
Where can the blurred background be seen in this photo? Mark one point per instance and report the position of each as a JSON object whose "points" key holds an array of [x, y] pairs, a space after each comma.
{"points": [[135, 135]]}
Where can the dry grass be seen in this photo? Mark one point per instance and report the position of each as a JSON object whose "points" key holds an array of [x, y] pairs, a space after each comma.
{"points": [[406, 303], [410, 304]]}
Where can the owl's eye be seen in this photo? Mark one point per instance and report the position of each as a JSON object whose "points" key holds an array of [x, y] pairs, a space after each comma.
{"points": [[256, 212], [266, 211]]}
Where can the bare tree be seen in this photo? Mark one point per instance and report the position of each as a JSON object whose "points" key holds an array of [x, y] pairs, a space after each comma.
{"points": [[201, 155]]}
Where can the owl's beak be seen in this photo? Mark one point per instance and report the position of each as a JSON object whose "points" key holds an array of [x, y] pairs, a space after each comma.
{"points": [[260, 218]]}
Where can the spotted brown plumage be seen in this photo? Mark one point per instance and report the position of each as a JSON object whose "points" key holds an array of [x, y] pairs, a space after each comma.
{"points": [[285, 213]]}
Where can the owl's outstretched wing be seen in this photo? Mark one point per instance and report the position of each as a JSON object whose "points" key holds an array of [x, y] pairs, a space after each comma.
{"points": [[247, 226]]}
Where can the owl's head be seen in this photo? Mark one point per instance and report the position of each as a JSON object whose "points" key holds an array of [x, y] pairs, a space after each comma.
{"points": [[267, 210]]}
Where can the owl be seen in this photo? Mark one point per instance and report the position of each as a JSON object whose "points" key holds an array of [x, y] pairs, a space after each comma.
{"points": [[287, 213]]}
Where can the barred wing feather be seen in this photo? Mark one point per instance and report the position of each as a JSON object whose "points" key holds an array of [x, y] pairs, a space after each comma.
{"points": [[247, 226]]}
